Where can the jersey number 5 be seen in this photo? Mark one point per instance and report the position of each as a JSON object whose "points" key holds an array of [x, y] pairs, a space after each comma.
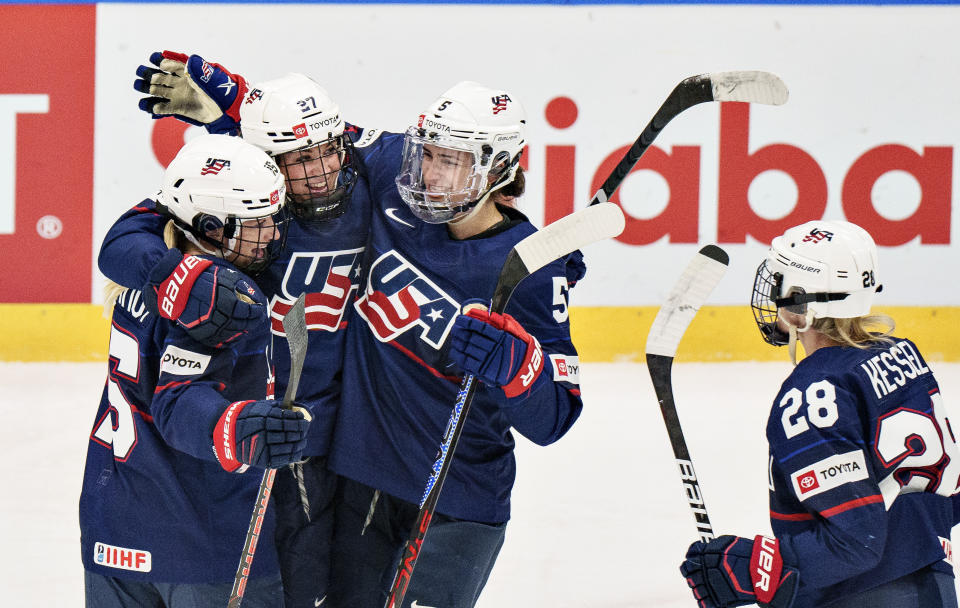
{"points": [[117, 428]]}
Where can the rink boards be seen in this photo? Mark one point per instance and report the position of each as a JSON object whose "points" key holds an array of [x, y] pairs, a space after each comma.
{"points": [[78, 332], [869, 138]]}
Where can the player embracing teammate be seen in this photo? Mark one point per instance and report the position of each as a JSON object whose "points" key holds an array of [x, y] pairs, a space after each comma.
{"points": [[389, 363], [165, 493]]}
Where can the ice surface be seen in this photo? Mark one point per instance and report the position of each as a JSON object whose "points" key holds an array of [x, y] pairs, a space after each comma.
{"points": [[599, 518]]}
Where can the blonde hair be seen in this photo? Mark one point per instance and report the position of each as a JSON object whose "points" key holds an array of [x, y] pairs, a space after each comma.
{"points": [[112, 291], [858, 332]]}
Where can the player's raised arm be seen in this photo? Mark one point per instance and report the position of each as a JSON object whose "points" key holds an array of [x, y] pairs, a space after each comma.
{"points": [[193, 90], [133, 254]]}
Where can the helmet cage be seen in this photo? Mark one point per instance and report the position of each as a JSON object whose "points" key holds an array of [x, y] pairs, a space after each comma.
{"points": [[226, 197], [294, 113], [250, 243], [766, 290], [310, 198]]}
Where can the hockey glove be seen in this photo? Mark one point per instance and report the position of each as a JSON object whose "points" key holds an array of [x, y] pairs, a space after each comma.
{"points": [[496, 349], [735, 571], [215, 304], [193, 90], [261, 434]]}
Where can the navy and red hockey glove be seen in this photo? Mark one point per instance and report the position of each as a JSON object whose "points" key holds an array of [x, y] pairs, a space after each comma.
{"points": [[193, 90], [261, 434], [496, 349], [214, 303], [735, 571]]}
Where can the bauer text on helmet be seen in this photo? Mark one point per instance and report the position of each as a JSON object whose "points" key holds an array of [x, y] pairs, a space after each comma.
{"points": [[820, 269]]}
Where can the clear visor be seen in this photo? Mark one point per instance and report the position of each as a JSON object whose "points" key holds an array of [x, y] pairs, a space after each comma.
{"points": [[439, 179]]}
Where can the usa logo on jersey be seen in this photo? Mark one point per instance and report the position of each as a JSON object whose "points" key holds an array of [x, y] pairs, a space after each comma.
{"points": [[398, 297], [328, 278]]}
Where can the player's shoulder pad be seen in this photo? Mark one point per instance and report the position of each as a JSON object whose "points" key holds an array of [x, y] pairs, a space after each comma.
{"points": [[367, 137]]}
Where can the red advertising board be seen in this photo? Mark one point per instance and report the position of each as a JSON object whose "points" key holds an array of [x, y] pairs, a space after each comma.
{"points": [[46, 152]]}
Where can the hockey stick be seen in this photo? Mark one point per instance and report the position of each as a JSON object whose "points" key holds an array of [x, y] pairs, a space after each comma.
{"points": [[295, 327], [685, 299], [560, 238], [749, 86]]}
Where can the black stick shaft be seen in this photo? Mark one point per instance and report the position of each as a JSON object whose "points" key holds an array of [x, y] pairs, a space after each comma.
{"points": [[689, 92], [660, 373]]}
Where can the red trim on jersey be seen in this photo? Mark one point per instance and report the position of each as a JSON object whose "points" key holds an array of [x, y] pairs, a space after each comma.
{"points": [[790, 516], [143, 415], [842, 507], [454, 379], [171, 385], [852, 504]]}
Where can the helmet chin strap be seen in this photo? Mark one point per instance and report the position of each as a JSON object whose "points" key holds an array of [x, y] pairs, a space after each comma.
{"points": [[195, 241], [794, 330], [501, 183], [474, 211]]}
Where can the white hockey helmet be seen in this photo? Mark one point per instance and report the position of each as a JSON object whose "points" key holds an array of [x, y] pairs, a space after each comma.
{"points": [[820, 269], [214, 185], [294, 113], [463, 147]]}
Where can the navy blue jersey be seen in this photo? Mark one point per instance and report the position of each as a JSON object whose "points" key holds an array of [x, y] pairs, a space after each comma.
{"points": [[156, 505], [398, 389], [863, 462], [321, 260]]}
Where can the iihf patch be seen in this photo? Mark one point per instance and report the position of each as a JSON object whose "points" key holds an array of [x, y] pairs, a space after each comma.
{"points": [[829, 473], [122, 558], [566, 368], [182, 362]]}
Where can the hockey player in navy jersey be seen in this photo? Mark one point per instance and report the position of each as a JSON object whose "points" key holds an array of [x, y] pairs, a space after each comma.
{"points": [[166, 501], [469, 252], [296, 122], [863, 459], [438, 241]]}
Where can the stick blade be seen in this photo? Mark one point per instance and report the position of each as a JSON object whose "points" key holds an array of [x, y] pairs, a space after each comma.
{"points": [[750, 86], [687, 296], [566, 235], [295, 328]]}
